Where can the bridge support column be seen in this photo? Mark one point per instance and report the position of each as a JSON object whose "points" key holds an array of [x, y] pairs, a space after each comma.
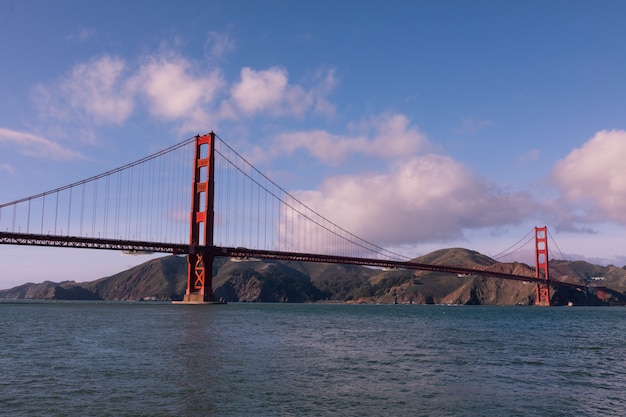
{"points": [[199, 279], [200, 258], [542, 297]]}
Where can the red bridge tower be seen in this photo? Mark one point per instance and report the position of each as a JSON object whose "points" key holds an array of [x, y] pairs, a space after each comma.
{"points": [[200, 258], [541, 264]]}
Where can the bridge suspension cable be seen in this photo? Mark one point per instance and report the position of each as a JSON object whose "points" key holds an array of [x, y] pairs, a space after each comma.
{"points": [[521, 251], [524, 250], [252, 210], [558, 254], [148, 201], [143, 200]]}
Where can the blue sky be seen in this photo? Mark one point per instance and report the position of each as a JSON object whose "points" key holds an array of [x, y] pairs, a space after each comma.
{"points": [[418, 125]]}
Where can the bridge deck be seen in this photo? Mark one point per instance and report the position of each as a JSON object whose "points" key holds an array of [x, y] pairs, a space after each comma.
{"points": [[245, 253]]}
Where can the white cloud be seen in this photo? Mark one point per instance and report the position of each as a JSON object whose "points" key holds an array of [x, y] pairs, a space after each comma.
{"points": [[260, 90], [36, 146], [594, 177], [324, 146], [174, 91], [106, 90], [387, 136], [99, 88], [269, 91], [96, 90], [423, 199]]}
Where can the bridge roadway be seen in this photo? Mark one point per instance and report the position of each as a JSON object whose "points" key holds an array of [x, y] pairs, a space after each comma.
{"points": [[139, 247]]}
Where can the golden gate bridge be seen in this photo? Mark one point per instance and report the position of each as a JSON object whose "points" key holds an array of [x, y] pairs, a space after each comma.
{"points": [[202, 199]]}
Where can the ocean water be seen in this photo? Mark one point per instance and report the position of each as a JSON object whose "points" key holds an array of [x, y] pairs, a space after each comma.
{"points": [[149, 359]]}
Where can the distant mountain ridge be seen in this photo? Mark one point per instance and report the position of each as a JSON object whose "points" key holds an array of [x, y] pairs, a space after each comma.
{"points": [[164, 279]]}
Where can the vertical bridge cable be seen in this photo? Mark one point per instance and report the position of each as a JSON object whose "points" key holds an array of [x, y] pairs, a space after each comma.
{"points": [[69, 215], [28, 218]]}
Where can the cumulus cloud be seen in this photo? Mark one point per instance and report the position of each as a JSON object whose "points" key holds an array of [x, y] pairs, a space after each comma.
{"points": [[260, 90], [594, 176], [430, 198], [36, 146], [173, 89], [97, 89], [386, 136], [424, 197], [269, 91], [107, 90]]}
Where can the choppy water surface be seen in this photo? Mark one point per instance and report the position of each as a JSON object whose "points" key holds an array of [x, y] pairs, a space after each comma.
{"points": [[110, 359]]}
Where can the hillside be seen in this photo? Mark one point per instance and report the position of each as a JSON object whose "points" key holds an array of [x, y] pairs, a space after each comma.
{"points": [[164, 279]]}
